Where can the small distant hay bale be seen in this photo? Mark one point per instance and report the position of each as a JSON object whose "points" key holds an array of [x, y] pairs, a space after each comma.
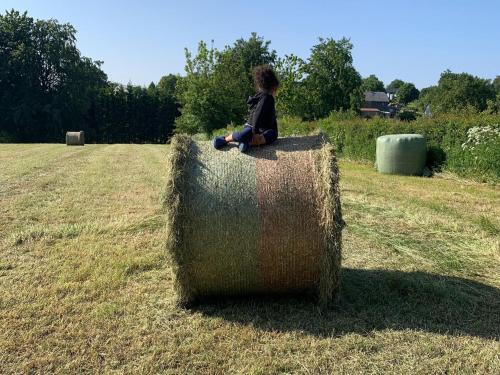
{"points": [[403, 154], [268, 221], [75, 138]]}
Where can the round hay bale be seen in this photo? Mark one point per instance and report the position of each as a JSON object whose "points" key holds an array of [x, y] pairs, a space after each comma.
{"points": [[75, 138], [268, 221], [401, 154]]}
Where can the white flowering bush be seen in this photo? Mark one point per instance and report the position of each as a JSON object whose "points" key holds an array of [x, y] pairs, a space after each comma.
{"points": [[481, 136], [482, 150]]}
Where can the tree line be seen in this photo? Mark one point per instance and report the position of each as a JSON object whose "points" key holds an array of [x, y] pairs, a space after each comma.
{"points": [[47, 87]]}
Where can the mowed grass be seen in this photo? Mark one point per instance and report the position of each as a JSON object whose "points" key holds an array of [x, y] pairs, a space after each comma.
{"points": [[86, 286]]}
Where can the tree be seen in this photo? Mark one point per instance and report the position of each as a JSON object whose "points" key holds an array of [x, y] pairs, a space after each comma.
{"points": [[45, 84], [47, 88], [407, 93], [331, 81], [166, 86], [372, 83], [168, 105], [217, 84], [292, 92], [496, 84], [457, 92], [426, 91], [211, 94], [126, 114], [252, 52], [394, 85]]}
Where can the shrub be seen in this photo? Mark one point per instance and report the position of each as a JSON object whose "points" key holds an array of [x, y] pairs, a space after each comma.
{"points": [[289, 126], [481, 151], [407, 115]]}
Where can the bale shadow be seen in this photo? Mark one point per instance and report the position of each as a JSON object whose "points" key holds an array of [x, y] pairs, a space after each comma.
{"points": [[375, 300], [436, 158]]}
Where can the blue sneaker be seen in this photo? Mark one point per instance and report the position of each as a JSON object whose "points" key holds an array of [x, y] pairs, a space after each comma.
{"points": [[243, 146], [219, 142]]}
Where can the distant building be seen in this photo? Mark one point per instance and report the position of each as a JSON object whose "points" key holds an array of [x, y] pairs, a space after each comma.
{"points": [[376, 99], [376, 104], [391, 92]]}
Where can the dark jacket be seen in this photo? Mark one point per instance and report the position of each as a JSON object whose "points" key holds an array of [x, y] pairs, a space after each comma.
{"points": [[262, 114]]}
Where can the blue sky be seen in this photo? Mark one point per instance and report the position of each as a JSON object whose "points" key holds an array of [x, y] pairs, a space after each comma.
{"points": [[139, 41]]}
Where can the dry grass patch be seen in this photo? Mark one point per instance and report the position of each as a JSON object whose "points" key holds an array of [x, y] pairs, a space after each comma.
{"points": [[85, 286]]}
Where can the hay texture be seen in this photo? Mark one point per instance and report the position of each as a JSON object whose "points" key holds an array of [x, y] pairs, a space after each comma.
{"points": [[75, 138], [268, 221]]}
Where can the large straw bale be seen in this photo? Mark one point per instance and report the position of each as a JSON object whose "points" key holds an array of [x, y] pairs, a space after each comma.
{"points": [[268, 221], [75, 138]]}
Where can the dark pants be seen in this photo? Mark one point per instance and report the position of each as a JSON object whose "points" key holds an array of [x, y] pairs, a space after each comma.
{"points": [[246, 134]]}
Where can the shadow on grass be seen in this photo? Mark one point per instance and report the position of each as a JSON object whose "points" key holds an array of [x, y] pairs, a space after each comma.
{"points": [[376, 300]]}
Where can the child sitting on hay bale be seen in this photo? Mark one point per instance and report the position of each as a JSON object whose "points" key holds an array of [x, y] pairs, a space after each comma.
{"points": [[261, 128]]}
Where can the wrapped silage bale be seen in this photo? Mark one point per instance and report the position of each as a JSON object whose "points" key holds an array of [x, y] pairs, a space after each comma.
{"points": [[403, 154]]}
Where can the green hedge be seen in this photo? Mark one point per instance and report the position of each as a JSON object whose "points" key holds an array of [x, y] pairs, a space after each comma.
{"points": [[446, 135]]}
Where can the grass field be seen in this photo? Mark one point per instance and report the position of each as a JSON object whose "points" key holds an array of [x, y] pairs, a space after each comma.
{"points": [[86, 286]]}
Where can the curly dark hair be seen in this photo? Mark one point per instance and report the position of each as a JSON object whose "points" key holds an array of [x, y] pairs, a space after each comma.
{"points": [[265, 78]]}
